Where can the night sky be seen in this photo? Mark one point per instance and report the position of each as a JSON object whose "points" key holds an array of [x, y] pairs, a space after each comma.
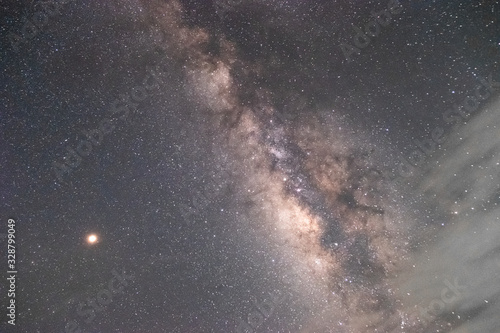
{"points": [[251, 166]]}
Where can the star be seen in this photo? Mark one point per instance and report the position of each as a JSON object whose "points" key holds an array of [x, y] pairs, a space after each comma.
{"points": [[92, 239]]}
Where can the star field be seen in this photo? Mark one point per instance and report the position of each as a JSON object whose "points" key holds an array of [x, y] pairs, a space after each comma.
{"points": [[251, 166]]}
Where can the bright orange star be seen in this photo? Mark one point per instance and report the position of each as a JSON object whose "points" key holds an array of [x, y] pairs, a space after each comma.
{"points": [[91, 239]]}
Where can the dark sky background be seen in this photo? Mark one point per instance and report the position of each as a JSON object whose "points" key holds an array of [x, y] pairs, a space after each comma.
{"points": [[248, 157]]}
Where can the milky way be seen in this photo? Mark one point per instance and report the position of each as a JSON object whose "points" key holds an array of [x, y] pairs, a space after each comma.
{"points": [[321, 199]]}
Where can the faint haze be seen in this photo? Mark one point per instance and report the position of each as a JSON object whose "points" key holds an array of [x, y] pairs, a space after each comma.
{"points": [[464, 182]]}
